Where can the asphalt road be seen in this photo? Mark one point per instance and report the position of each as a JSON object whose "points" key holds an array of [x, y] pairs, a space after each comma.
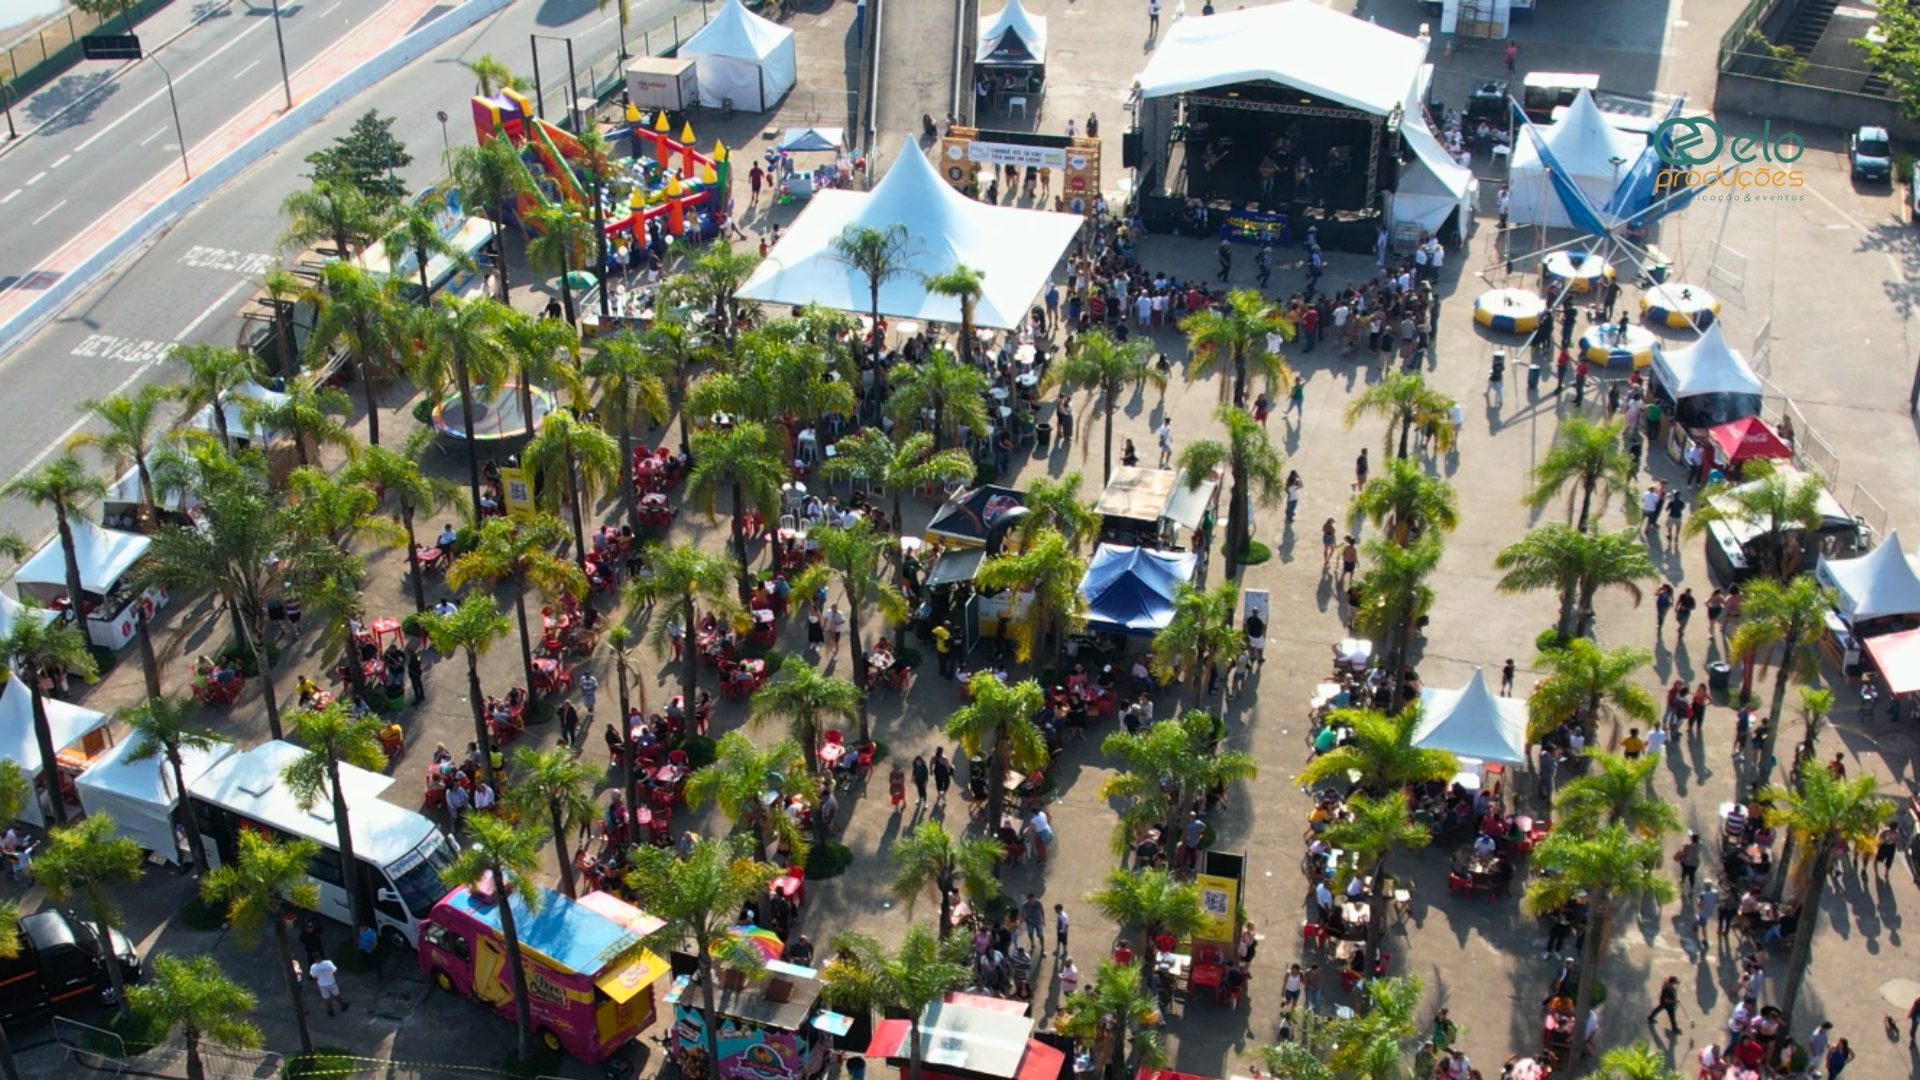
{"points": [[186, 287]]}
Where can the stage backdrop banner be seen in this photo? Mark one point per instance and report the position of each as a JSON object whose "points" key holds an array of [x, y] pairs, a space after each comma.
{"points": [[1004, 154], [1258, 226], [1220, 898]]}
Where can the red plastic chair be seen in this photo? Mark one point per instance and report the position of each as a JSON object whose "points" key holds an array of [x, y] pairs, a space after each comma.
{"points": [[1459, 886]]}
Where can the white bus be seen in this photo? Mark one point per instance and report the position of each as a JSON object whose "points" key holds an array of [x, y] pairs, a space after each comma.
{"points": [[401, 853]]}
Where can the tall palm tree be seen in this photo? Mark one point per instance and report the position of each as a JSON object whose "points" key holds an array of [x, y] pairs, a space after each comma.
{"points": [[1790, 618], [1256, 471], [1615, 870], [1107, 368], [508, 857], [1200, 636], [929, 858], [864, 976], [620, 644], [1152, 903], [132, 434], [683, 579], [211, 376], [335, 737], [632, 386], [284, 291], [491, 74], [554, 784], [577, 461], [1779, 504], [417, 233], [1372, 830], [737, 781], [1405, 401], [879, 255], [1395, 596], [1827, 817], [594, 166], [1168, 767], [64, 486], [195, 998], [1816, 704], [1233, 337], [997, 726], [1585, 461], [562, 239], [1056, 505], [1586, 682], [1408, 503], [470, 631], [1577, 565], [306, 414], [520, 553], [807, 700], [89, 860], [31, 650], [338, 510], [896, 468], [774, 373], [268, 878], [856, 558], [9, 950], [364, 315], [163, 727], [1382, 752], [398, 474], [1614, 791], [1119, 1016], [326, 212], [709, 282], [490, 177], [681, 347], [954, 392], [1047, 575], [544, 353], [964, 284], [460, 348], [750, 462]]}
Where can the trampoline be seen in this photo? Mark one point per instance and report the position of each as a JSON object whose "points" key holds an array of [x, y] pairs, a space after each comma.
{"points": [[1579, 271], [1509, 311], [1605, 346], [1679, 307], [498, 416]]}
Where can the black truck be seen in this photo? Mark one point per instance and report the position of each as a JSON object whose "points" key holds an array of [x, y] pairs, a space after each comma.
{"points": [[61, 967]]}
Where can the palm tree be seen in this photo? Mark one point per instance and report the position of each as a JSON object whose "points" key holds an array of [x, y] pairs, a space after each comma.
{"points": [[562, 237], [554, 783], [1585, 460], [1614, 791], [1048, 575], [520, 553], [751, 463], [1395, 596], [1638, 1061], [461, 347], [964, 284], [398, 474], [1382, 752], [335, 213], [64, 486], [1168, 767], [1107, 368], [681, 347], [1791, 618], [1056, 505], [577, 460], [1408, 503], [333, 737], [1816, 703], [1372, 830], [930, 857], [684, 578], [306, 413], [1233, 336], [807, 700], [1827, 817], [632, 385], [506, 856], [954, 392], [417, 233], [268, 878], [362, 314], [470, 631], [774, 373], [212, 375], [1615, 870], [1780, 505], [864, 976], [87, 859], [896, 468], [1199, 637], [195, 998], [283, 292], [880, 255], [490, 177], [997, 726], [1256, 469], [1577, 565], [491, 74], [857, 558], [132, 432], [9, 950], [696, 899], [1153, 903], [620, 644], [709, 282], [161, 728], [544, 353], [1587, 682], [594, 165], [33, 649], [1405, 401], [338, 510], [741, 774], [1117, 1015]]}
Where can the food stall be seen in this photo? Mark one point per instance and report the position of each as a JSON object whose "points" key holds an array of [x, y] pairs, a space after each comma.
{"points": [[970, 1037], [1704, 385], [1735, 549], [1895, 661], [106, 559], [1747, 439], [1130, 590], [140, 795], [972, 516], [79, 737], [234, 405], [124, 506], [1149, 507], [771, 1028], [1877, 593], [1011, 56]]}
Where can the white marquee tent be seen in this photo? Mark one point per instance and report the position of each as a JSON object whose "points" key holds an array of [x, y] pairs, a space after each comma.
{"points": [[1029, 35], [1015, 250], [1434, 185], [1585, 144], [235, 406], [67, 722], [743, 58], [140, 795], [1472, 722], [1708, 366], [11, 609], [1878, 585], [104, 556], [1297, 43]]}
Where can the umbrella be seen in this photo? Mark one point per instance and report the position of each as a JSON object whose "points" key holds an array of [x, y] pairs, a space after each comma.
{"points": [[766, 941], [581, 279]]}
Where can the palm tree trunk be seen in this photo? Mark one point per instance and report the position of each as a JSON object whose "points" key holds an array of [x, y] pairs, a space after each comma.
{"points": [[1106, 454], [579, 511], [1237, 539], [373, 405], [102, 927], [149, 661], [1787, 648], [426, 288], [196, 1069], [257, 642], [500, 251], [689, 659], [939, 423], [913, 1043], [686, 421], [630, 780], [1001, 755], [873, 335], [49, 763], [861, 676], [413, 561], [1239, 379], [1406, 430], [516, 966], [480, 735], [1590, 953], [293, 983], [220, 419], [946, 908], [1802, 948], [194, 845], [709, 1015], [526, 641], [473, 452], [1376, 907], [739, 546], [146, 481], [1586, 502], [628, 492], [76, 592], [566, 289], [357, 897], [560, 848]]}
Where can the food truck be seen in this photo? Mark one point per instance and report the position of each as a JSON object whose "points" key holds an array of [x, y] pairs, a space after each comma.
{"points": [[588, 975], [971, 1037], [770, 1028]]}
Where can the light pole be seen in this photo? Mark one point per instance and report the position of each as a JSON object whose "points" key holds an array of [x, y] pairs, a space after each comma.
{"points": [[446, 148], [6, 89], [286, 82], [573, 82], [178, 131]]}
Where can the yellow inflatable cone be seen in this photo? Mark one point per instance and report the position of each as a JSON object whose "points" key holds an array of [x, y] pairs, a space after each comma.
{"points": [[719, 151], [686, 134], [633, 113], [708, 176], [660, 121]]}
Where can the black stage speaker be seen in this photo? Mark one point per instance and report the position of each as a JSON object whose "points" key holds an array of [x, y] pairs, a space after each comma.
{"points": [[1131, 147]]}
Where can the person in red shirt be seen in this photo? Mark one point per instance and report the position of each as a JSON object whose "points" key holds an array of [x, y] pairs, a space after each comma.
{"points": [[1309, 328]]}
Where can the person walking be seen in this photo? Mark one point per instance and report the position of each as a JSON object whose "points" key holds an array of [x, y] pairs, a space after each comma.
{"points": [[756, 177], [1838, 1058], [1263, 264], [1360, 470], [569, 718], [1683, 612], [1704, 907], [1676, 512], [1662, 603], [1153, 18], [1297, 399], [1688, 859], [326, 977], [1328, 531], [416, 675], [1504, 203], [1669, 1004], [943, 647], [1497, 380], [1060, 923], [1226, 261], [589, 692], [1349, 559], [316, 946], [942, 773], [919, 781], [1034, 914], [1294, 486], [896, 786], [1506, 678], [1513, 54], [835, 624], [1165, 433]]}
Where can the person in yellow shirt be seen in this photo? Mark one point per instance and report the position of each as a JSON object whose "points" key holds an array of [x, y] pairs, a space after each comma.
{"points": [[1633, 745], [943, 644]]}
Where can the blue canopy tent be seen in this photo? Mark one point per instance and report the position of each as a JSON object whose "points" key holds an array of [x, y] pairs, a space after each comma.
{"points": [[1130, 590]]}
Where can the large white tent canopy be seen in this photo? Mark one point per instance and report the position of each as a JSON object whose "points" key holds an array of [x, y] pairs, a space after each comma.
{"points": [[742, 58], [1297, 43], [234, 405], [1708, 366], [1013, 249], [1587, 145], [1472, 722], [12, 610], [69, 723], [140, 795], [104, 555], [1434, 186], [1880, 584], [1029, 36]]}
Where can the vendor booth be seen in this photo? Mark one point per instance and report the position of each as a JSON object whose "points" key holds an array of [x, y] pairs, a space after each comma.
{"points": [[1010, 59], [970, 1037], [106, 557], [744, 61], [79, 737], [972, 516], [1735, 549], [1896, 666], [140, 795], [1707, 383], [12, 610], [234, 405], [122, 508], [1472, 722], [1148, 507], [1130, 590], [1877, 592], [471, 237], [1586, 147], [772, 1026], [1747, 439], [794, 182]]}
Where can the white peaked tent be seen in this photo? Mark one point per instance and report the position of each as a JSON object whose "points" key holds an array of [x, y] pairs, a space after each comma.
{"points": [[140, 795], [1028, 43], [743, 58], [1472, 722], [1434, 185], [104, 556], [1585, 144], [1878, 585], [67, 722], [11, 609], [1013, 249], [1297, 43], [1708, 366], [235, 406]]}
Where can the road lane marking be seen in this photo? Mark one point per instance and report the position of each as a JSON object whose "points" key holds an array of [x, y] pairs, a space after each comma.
{"points": [[162, 92], [36, 178], [329, 11], [208, 313], [74, 429], [246, 69], [11, 195], [63, 160], [157, 132], [50, 212], [244, 263]]}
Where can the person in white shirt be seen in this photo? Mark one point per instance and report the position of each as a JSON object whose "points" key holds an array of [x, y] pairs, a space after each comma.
{"points": [[1437, 258], [1483, 845], [326, 977], [1324, 897], [1576, 743], [1657, 741]]}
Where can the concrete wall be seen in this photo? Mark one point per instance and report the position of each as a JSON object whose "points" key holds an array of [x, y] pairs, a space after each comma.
{"points": [[1808, 106]]}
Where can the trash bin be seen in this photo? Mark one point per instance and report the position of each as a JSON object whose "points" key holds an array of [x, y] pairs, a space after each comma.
{"points": [[1533, 377], [1719, 676], [1043, 434]]}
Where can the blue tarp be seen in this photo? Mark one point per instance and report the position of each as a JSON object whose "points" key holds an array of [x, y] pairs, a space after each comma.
{"points": [[575, 938], [1130, 590], [1638, 199]]}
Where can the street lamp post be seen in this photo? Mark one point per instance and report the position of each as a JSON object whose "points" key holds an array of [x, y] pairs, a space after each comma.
{"points": [[6, 89], [178, 131], [446, 147], [573, 81], [286, 81]]}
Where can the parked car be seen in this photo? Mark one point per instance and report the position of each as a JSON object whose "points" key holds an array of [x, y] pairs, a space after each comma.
{"points": [[1871, 154], [60, 967]]}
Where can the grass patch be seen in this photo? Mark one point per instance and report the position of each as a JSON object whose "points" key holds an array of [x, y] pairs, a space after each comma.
{"points": [[1257, 553], [325, 1063], [828, 860], [200, 915]]}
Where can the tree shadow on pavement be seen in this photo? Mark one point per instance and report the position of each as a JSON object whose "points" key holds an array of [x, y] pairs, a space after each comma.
{"points": [[65, 92]]}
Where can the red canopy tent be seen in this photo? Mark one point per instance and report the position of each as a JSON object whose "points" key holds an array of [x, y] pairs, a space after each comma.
{"points": [[1748, 439], [970, 1037], [1897, 658]]}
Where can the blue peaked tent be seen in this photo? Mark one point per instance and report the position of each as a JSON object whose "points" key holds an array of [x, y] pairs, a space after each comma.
{"points": [[1130, 590], [1631, 201]]}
